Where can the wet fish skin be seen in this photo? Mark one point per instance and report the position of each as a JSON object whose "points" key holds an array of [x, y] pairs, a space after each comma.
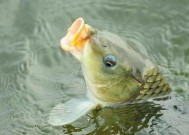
{"points": [[114, 73], [135, 76], [154, 85]]}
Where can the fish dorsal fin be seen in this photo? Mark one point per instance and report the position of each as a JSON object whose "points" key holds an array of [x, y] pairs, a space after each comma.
{"points": [[154, 85], [63, 114]]}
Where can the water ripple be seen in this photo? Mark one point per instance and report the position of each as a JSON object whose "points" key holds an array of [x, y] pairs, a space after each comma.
{"points": [[35, 74]]}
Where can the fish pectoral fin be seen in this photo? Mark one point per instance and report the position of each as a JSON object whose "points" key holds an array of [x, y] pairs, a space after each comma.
{"points": [[63, 114]]}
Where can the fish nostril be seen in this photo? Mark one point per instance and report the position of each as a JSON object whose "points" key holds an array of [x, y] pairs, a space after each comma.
{"points": [[105, 44]]}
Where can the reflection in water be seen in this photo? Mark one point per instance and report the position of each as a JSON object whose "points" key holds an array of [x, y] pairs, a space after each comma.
{"points": [[125, 119]]}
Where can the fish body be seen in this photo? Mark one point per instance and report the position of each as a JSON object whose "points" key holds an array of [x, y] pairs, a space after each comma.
{"points": [[133, 77], [114, 72]]}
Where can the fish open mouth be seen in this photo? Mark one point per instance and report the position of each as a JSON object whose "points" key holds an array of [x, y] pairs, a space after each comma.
{"points": [[77, 26], [76, 36]]}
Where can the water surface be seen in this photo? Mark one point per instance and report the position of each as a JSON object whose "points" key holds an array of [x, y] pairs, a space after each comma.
{"points": [[36, 74]]}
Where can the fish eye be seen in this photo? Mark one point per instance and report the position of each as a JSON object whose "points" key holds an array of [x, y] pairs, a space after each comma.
{"points": [[109, 60]]}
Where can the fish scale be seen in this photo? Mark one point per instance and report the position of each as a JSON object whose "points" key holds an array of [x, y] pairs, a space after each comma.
{"points": [[154, 85]]}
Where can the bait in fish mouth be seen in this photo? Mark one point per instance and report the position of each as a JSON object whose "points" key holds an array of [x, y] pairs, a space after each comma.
{"points": [[114, 73]]}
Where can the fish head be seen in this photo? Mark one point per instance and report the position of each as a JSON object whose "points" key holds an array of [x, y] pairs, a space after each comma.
{"points": [[103, 56]]}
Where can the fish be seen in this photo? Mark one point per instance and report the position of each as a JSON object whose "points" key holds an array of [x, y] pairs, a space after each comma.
{"points": [[114, 73]]}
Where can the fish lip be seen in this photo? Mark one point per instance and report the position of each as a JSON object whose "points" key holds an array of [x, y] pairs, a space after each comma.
{"points": [[77, 26], [73, 33], [77, 38]]}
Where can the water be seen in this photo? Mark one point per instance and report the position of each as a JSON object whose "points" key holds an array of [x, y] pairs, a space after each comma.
{"points": [[36, 74]]}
